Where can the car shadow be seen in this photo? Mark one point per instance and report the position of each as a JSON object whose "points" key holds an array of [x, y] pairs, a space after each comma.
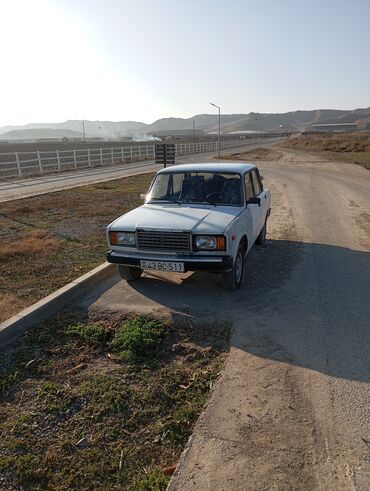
{"points": [[300, 303]]}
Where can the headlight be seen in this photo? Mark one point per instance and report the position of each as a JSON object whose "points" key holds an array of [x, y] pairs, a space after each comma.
{"points": [[210, 242], [123, 238]]}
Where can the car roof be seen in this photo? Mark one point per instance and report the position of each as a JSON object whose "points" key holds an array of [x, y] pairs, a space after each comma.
{"points": [[237, 167]]}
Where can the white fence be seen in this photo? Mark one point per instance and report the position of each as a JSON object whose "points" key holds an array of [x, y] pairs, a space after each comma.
{"points": [[38, 163]]}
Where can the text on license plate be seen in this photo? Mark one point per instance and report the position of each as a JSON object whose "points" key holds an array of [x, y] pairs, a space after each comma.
{"points": [[162, 266]]}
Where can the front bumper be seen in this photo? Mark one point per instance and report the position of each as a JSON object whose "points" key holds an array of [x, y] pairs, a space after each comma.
{"points": [[213, 264]]}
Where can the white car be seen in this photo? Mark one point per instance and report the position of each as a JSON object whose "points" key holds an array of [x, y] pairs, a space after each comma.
{"points": [[196, 217]]}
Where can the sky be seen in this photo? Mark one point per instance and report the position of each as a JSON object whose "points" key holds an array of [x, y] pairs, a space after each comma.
{"points": [[143, 60]]}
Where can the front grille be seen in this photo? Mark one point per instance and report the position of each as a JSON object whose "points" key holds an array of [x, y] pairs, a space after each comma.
{"points": [[163, 241]]}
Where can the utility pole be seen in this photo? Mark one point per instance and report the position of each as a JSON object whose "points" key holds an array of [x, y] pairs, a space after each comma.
{"points": [[219, 126], [83, 131], [193, 130]]}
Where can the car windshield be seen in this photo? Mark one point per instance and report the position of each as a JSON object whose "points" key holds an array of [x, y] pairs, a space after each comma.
{"points": [[197, 187]]}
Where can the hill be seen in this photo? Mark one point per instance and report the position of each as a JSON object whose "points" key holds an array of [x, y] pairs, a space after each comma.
{"points": [[102, 129], [31, 134], [296, 121]]}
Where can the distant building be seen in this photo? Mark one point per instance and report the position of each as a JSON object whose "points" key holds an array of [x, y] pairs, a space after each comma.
{"points": [[334, 127], [181, 134]]}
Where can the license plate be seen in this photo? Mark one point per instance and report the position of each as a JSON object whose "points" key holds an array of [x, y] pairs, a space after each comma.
{"points": [[162, 266]]}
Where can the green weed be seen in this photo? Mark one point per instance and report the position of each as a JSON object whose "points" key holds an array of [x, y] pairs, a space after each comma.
{"points": [[138, 338], [155, 480], [90, 333]]}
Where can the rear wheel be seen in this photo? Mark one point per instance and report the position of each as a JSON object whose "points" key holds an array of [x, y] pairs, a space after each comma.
{"points": [[129, 273], [232, 279], [261, 239]]}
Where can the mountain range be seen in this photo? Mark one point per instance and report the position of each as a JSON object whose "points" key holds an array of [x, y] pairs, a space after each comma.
{"points": [[293, 121]]}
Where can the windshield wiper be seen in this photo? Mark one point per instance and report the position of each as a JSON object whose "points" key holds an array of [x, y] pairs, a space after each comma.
{"points": [[165, 200], [211, 202], [198, 201], [192, 200]]}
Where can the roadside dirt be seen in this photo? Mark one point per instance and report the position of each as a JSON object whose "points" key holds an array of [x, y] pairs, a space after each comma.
{"points": [[347, 147], [262, 153], [290, 410]]}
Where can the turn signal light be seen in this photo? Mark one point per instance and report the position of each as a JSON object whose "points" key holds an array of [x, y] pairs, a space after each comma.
{"points": [[221, 243], [113, 238]]}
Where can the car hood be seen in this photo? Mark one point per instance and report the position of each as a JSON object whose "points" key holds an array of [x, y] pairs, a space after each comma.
{"points": [[201, 220]]}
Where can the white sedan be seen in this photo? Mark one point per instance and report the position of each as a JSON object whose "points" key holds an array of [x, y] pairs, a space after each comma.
{"points": [[195, 217]]}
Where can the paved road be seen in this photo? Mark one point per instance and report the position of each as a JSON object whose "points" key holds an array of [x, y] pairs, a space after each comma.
{"points": [[21, 188], [291, 410]]}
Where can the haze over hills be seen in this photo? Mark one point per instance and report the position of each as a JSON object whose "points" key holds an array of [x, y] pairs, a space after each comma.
{"points": [[41, 133], [292, 121]]}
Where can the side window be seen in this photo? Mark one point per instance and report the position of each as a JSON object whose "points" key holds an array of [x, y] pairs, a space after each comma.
{"points": [[257, 182], [249, 192]]}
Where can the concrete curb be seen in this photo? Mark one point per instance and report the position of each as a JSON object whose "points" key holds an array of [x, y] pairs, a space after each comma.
{"points": [[41, 310]]}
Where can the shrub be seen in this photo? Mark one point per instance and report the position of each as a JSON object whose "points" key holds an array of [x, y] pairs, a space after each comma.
{"points": [[138, 337]]}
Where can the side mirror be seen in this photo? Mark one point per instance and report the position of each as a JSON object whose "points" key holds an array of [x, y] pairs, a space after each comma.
{"points": [[254, 201]]}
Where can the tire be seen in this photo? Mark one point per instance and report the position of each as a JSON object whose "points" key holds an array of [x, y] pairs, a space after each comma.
{"points": [[233, 279], [129, 273], [261, 239]]}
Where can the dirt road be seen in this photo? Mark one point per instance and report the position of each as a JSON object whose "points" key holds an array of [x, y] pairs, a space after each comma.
{"points": [[291, 409]]}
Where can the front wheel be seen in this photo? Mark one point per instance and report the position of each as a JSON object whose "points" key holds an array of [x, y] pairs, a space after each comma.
{"points": [[129, 273], [233, 279]]}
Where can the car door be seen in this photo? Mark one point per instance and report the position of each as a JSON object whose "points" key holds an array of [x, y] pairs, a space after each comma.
{"points": [[260, 193], [252, 209]]}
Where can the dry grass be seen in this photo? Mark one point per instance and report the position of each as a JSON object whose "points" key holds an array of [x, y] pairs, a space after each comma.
{"points": [[349, 147], [49, 240], [9, 304], [256, 154], [34, 242]]}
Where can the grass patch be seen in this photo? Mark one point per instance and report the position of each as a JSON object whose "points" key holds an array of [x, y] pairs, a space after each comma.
{"points": [[138, 338], [153, 481], [77, 415], [47, 241], [348, 147], [90, 333], [54, 397]]}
